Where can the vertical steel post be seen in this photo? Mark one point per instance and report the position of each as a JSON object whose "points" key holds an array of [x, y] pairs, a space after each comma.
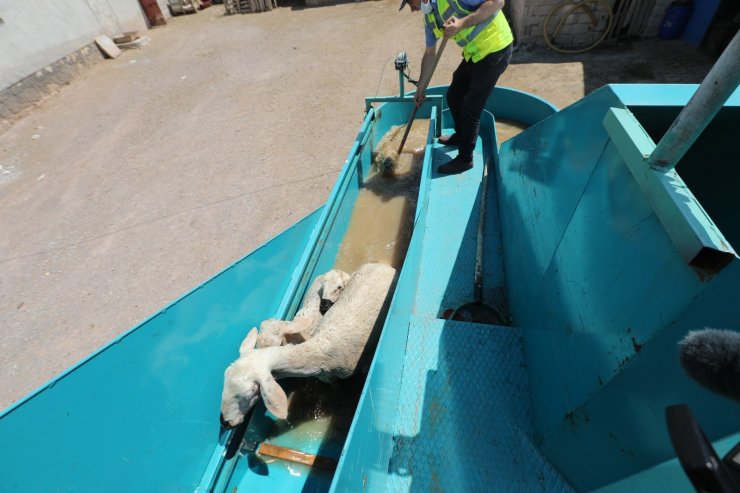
{"points": [[400, 82], [715, 89]]}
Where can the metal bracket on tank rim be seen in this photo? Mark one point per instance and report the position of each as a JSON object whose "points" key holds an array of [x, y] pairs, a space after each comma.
{"points": [[433, 99]]}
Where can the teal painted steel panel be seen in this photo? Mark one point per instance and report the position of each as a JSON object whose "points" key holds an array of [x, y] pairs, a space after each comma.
{"points": [[142, 413], [659, 95], [668, 476], [621, 430], [541, 176], [603, 296], [598, 297]]}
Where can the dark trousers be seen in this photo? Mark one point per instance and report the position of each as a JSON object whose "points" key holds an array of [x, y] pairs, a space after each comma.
{"points": [[471, 85]]}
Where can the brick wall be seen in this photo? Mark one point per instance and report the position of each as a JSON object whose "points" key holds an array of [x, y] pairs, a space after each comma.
{"points": [[529, 26], [528, 18]]}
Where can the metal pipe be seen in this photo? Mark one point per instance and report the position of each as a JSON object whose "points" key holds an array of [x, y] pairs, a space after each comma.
{"points": [[714, 91], [400, 82]]}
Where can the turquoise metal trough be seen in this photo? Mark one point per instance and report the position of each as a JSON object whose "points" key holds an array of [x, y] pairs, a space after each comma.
{"points": [[601, 262]]}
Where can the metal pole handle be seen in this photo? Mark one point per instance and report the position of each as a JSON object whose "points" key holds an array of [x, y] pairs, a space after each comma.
{"points": [[715, 89]]}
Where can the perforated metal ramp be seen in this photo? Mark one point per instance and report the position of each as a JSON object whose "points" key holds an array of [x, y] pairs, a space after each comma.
{"points": [[447, 269], [463, 421], [448, 255]]}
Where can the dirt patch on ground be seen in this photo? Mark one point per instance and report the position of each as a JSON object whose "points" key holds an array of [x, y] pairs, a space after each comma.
{"points": [[154, 171]]}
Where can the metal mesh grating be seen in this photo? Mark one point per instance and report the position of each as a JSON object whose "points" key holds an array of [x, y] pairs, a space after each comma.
{"points": [[464, 422]]}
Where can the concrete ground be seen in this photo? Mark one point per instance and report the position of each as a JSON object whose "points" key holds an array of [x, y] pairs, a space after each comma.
{"points": [[152, 172]]}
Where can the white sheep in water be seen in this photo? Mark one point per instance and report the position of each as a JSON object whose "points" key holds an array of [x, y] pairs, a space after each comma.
{"points": [[346, 333], [321, 295]]}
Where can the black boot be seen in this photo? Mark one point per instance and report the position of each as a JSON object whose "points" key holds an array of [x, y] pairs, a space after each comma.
{"points": [[457, 165], [449, 140]]}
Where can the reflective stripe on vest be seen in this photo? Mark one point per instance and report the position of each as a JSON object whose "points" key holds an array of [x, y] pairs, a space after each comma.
{"points": [[478, 41]]}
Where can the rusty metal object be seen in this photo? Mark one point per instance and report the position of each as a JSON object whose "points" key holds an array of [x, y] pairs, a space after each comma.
{"points": [[153, 13]]}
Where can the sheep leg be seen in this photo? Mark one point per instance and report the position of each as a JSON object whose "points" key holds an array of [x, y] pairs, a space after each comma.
{"points": [[300, 360]]}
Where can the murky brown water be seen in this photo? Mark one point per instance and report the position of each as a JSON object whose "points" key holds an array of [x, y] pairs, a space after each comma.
{"points": [[506, 129], [380, 226]]}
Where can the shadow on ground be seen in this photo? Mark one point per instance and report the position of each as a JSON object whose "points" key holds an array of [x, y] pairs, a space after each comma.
{"points": [[646, 61]]}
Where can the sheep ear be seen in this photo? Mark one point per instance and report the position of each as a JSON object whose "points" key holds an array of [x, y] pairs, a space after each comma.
{"points": [[275, 399], [249, 342], [298, 324]]}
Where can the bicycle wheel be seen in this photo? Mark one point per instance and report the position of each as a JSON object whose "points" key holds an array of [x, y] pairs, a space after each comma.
{"points": [[577, 26]]}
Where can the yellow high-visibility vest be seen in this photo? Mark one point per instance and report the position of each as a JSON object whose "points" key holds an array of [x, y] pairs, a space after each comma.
{"points": [[491, 35]]}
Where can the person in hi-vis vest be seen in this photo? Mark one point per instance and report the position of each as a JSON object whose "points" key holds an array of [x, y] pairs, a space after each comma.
{"points": [[480, 29]]}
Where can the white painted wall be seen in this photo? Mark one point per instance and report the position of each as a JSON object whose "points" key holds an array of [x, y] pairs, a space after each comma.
{"points": [[35, 33]]}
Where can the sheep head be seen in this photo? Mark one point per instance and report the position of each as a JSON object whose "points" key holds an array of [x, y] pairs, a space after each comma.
{"points": [[332, 285], [246, 380]]}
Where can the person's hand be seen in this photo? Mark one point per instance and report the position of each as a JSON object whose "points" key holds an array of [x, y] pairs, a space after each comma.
{"points": [[419, 97], [453, 26]]}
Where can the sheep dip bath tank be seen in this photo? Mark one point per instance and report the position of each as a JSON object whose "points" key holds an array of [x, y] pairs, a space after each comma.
{"points": [[601, 261], [379, 230]]}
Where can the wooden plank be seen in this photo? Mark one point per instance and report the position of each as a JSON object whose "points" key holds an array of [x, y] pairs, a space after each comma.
{"points": [[297, 456], [107, 46]]}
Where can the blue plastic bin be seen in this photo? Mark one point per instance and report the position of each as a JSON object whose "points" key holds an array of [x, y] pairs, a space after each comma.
{"points": [[676, 17]]}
